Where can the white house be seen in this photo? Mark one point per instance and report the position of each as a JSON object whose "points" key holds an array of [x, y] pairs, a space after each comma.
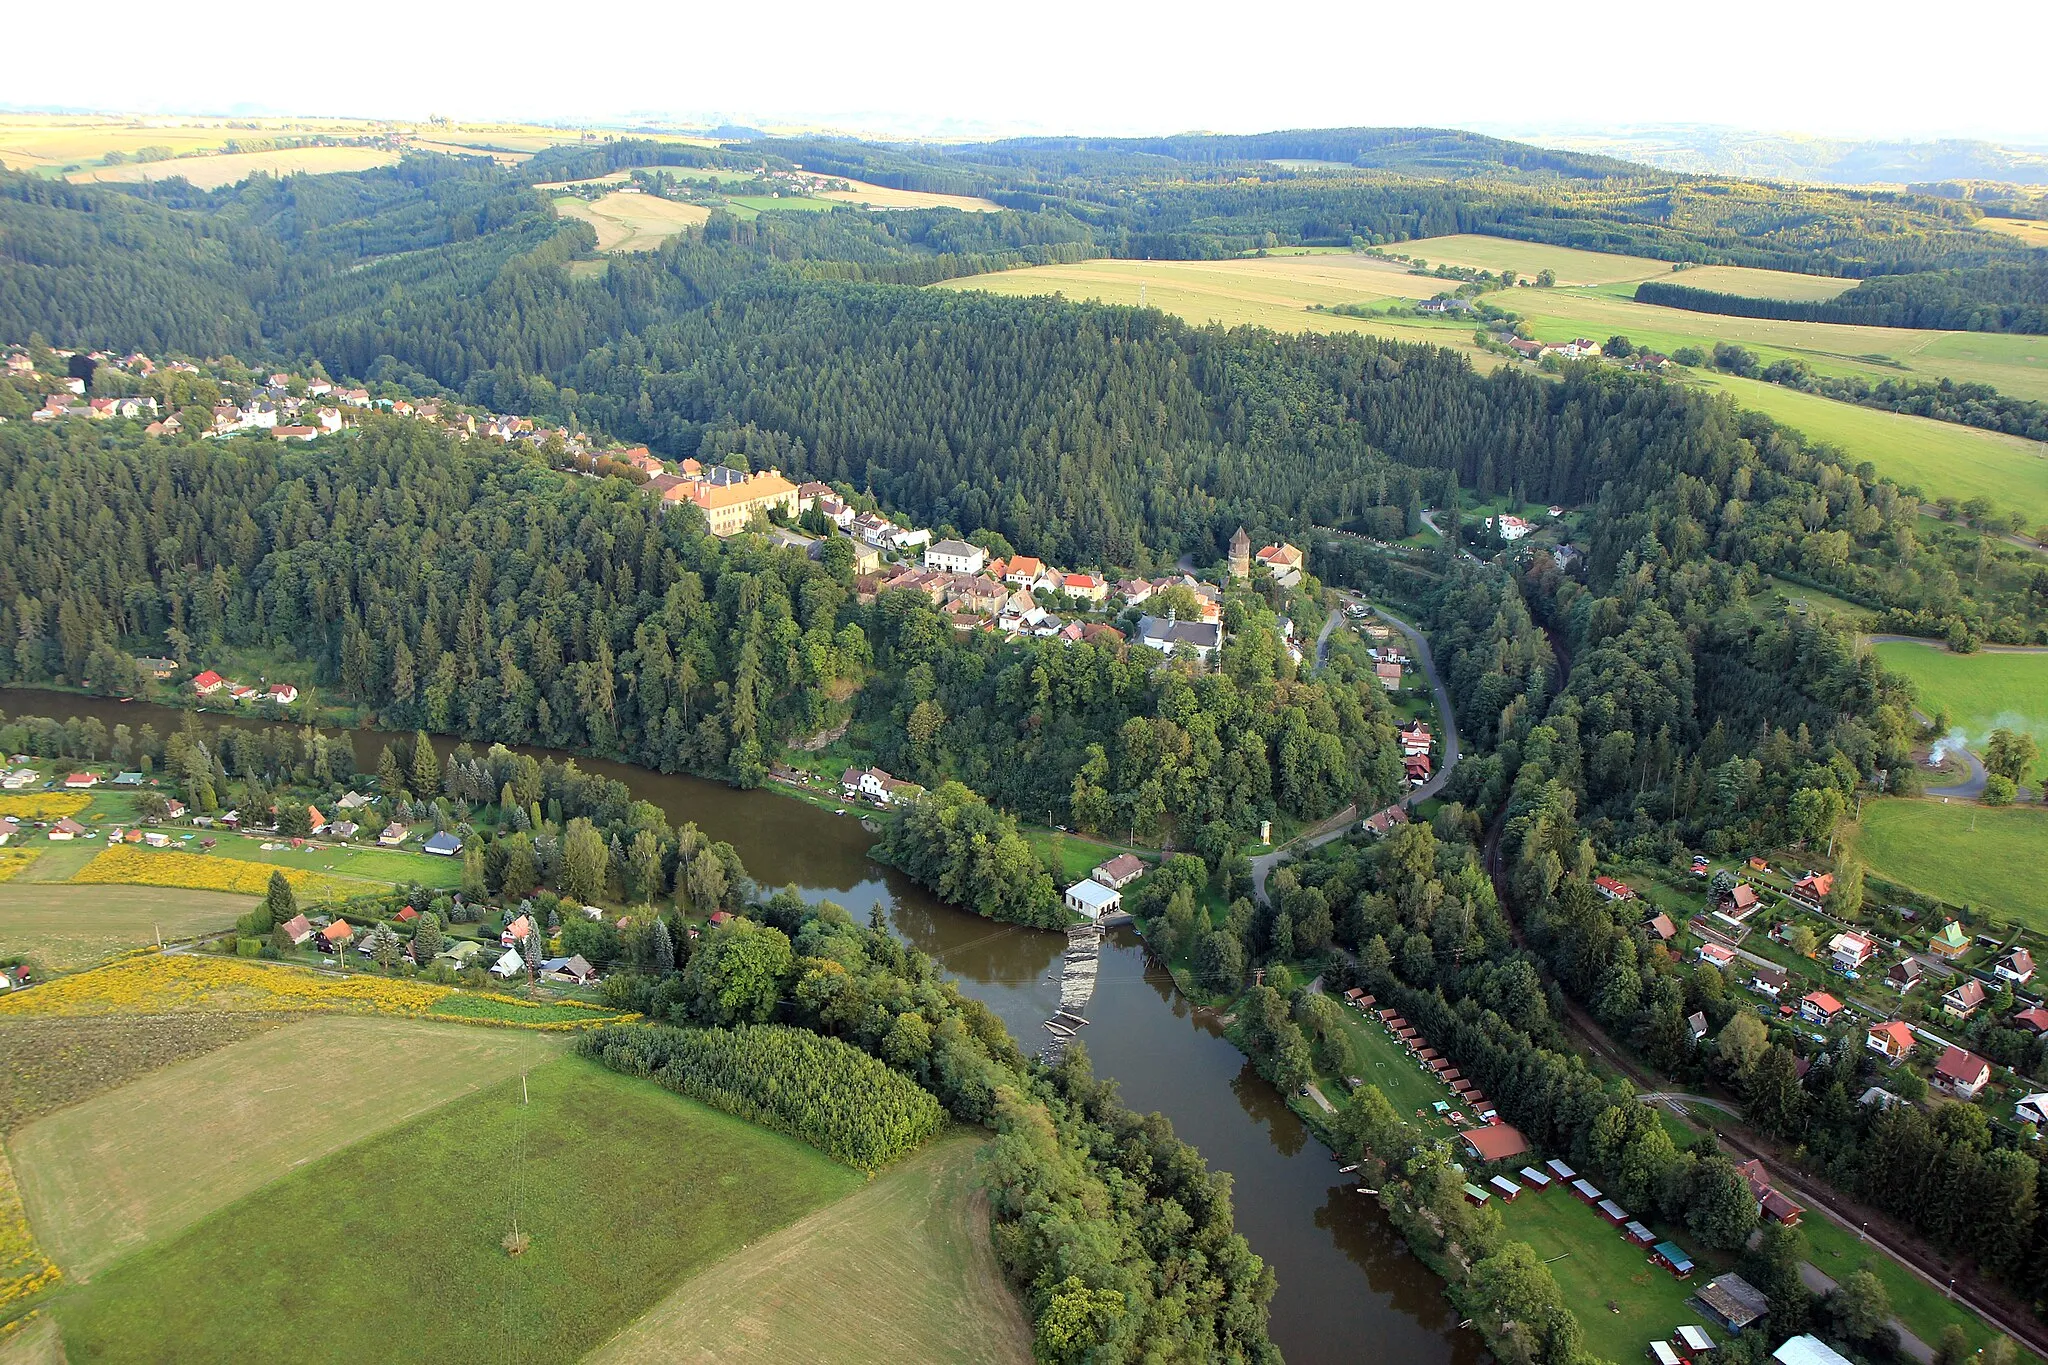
{"points": [[1093, 899], [510, 965], [1851, 949], [1166, 634], [955, 556]]}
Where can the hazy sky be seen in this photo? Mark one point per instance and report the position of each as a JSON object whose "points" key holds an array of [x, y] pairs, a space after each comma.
{"points": [[1841, 69]]}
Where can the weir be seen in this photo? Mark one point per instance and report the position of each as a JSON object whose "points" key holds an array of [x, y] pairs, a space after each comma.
{"points": [[1077, 987]]}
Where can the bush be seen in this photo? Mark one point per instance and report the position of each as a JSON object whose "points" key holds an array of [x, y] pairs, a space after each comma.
{"points": [[248, 947], [830, 1094]]}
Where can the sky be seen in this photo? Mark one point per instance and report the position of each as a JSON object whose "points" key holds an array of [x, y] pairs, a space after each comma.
{"points": [[918, 68]]}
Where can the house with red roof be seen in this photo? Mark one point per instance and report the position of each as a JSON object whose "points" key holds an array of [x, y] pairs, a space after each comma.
{"points": [[81, 781], [1893, 1041], [1614, 890], [1961, 1073], [1964, 1001], [2016, 966], [1819, 1007], [1814, 886]]}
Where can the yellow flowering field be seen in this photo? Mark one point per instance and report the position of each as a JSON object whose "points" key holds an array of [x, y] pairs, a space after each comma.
{"points": [[24, 1270], [127, 865], [43, 805], [148, 982], [13, 860]]}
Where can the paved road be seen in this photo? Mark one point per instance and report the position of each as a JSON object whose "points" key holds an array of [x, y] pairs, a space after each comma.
{"points": [[1323, 640], [1972, 786], [1340, 824]]}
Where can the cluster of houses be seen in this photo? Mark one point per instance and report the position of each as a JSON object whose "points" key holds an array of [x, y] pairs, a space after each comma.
{"points": [[1581, 348], [873, 784], [212, 684]]}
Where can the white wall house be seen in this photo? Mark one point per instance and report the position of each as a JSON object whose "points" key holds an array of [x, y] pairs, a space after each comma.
{"points": [[1093, 899], [955, 556]]}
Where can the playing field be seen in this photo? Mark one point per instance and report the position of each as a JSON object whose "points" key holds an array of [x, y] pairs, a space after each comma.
{"points": [[1960, 851], [1600, 1272], [632, 222], [395, 1249], [901, 1270], [137, 1164], [1982, 692], [67, 927], [211, 172]]}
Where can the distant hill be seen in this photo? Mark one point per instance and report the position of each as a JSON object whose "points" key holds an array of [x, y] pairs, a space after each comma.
{"points": [[1708, 150]]}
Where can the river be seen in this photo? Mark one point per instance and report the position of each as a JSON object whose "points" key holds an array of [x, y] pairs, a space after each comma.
{"points": [[1347, 1291]]}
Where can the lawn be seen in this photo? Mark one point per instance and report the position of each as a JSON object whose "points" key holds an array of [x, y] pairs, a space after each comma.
{"points": [[632, 222], [394, 1249], [1924, 1309], [1981, 692], [1959, 852], [901, 1270], [1078, 854], [1407, 1084], [1596, 1266], [67, 927], [367, 861], [138, 1164]]}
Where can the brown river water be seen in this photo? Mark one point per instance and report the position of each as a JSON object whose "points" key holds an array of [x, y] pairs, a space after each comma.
{"points": [[1347, 1289]]}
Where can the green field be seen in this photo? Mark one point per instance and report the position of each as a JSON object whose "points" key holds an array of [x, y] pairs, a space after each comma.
{"points": [[66, 927], [1960, 852], [138, 1164], [901, 1270], [348, 860], [1597, 1268], [1571, 265], [1758, 284], [393, 1249], [1407, 1084], [1981, 692], [1924, 1309]]}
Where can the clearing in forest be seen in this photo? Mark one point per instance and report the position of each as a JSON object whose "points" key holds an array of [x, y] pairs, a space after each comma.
{"points": [[900, 1270], [632, 222], [1960, 852], [1981, 692], [138, 1164], [67, 927], [399, 1248]]}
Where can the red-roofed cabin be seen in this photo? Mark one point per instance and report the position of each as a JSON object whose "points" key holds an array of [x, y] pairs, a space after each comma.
{"points": [[1495, 1142]]}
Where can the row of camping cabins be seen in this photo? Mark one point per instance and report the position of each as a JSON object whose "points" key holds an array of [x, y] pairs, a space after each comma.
{"points": [[1440, 1066], [1668, 1254]]}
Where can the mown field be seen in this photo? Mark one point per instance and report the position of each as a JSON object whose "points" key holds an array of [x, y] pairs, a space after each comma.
{"points": [[1600, 1271], [1759, 284], [632, 222], [394, 1248], [883, 197], [1570, 265], [366, 861], [1981, 692], [138, 1164], [1960, 852], [211, 172], [901, 1270], [67, 927], [53, 1063]]}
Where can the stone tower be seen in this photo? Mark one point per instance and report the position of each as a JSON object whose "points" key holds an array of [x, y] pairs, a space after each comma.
{"points": [[1240, 555]]}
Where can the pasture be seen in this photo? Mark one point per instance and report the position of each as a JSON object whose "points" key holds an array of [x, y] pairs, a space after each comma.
{"points": [[211, 172], [68, 927], [1982, 692], [900, 1270], [632, 222], [1941, 459], [1959, 851], [1601, 1271], [394, 1249], [140, 1163]]}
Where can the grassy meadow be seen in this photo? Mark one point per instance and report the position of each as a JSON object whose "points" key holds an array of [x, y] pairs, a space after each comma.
{"points": [[1981, 692], [67, 927], [900, 1270], [1752, 283], [140, 1163], [632, 222], [1599, 1270], [394, 1248], [1960, 851]]}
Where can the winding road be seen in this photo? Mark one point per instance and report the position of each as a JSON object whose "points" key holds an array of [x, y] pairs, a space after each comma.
{"points": [[1972, 786], [1340, 823]]}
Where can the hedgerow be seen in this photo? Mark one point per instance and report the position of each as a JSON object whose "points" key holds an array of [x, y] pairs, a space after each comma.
{"points": [[832, 1095]]}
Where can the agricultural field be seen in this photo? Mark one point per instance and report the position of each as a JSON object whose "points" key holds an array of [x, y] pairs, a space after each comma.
{"points": [[64, 928], [1982, 692], [43, 805], [1622, 1300], [632, 222], [367, 861], [617, 1188], [53, 143], [883, 197], [1274, 292], [1571, 265], [138, 1164], [1752, 283], [900, 1270], [35, 1342], [1960, 851], [2032, 231], [53, 1063], [129, 865], [211, 172]]}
